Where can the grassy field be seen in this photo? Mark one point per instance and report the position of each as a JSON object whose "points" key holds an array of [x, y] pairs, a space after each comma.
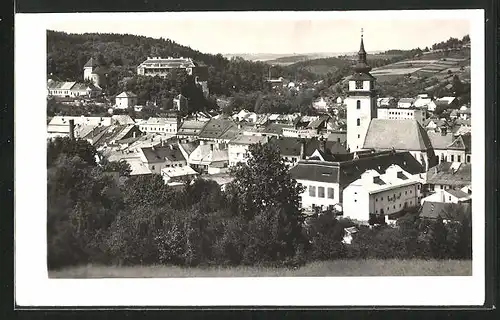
{"points": [[336, 268]]}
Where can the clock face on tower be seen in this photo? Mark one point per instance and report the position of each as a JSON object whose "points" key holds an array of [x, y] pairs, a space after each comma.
{"points": [[359, 85]]}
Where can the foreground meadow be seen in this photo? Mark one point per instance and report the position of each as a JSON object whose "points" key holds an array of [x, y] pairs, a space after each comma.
{"points": [[336, 268]]}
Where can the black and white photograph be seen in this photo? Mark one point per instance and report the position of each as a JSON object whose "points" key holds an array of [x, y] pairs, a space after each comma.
{"points": [[269, 151]]}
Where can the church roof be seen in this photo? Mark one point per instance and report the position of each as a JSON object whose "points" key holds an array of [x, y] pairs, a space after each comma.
{"points": [[385, 134], [91, 63]]}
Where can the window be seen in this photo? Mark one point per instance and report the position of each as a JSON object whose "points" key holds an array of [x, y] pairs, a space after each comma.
{"points": [[406, 192], [321, 192], [411, 191], [312, 191], [330, 193], [468, 159], [359, 85], [358, 104], [452, 158], [355, 200], [394, 206], [359, 136], [400, 205], [376, 211], [458, 158], [376, 199], [418, 186], [152, 167], [449, 198], [338, 139], [358, 122], [441, 187]]}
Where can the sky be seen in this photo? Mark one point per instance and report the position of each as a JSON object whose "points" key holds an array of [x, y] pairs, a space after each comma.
{"points": [[264, 33]]}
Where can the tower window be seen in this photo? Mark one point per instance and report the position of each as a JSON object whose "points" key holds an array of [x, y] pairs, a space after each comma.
{"points": [[358, 104], [358, 122], [359, 85]]}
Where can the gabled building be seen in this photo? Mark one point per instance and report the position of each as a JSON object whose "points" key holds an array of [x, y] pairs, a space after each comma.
{"points": [[325, 181], [165, 126], [378, 197], [94, 72], [208, 158], [448, 196], [402, 114], [163, 156], [190, 129], [449, 147], [401, 135], [405, 103], [215, 129], [125, 100], [448, 175], [447, 211], [238, 148]]}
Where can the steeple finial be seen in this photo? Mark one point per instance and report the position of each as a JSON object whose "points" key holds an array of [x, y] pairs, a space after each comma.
{"points": [[361, 33], [362, 65]]}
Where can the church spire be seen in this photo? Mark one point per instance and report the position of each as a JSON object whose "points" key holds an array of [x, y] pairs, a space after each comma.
{"points": [[362, 65]]}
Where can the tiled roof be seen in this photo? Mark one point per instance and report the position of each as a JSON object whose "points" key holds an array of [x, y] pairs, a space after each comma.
{"points": [[126, 94], [440, 141], [173, 172], [247, 140], [385, 134], [206, 154], [159, 121], [289, 146], [448, 211], [406, 100], [215, 128], [122, 119], [458, 193], [191, 128], [450, 173], [346, 172], [160, 154], [168, 63], [91, 63]]}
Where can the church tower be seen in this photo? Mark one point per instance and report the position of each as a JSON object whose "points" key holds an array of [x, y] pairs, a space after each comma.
{"points": [[361, 102]]}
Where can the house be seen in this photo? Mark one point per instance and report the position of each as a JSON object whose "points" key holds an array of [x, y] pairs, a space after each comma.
{"points": [[464, 114], [215, 129], [431, 106], [208, 158], [447, 102], [94, 72], [321, 104], [106, 136], [180, 103], [122, 119], [448, 196], [339, 136], [125, 100], [378, 197], [162, 156], [241, 115], [325, 181], [400, 135], [238, 148], [448, 175], [59, 125], [447, 211], [387, 102], [422, 102], [402, 114], [190, 129], [405, 103], [449, 147], [164, 126], [71, 89], [292, 150], [178, 174], [156, 66]]}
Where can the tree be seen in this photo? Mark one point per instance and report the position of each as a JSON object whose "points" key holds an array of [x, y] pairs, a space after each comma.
{"points": [[122, 167], [69, 147], [264, 182], [147, 190], [438, 234]]}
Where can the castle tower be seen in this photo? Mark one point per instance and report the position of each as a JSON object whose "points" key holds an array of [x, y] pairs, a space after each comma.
{"points": [[92, 71], [361, 102]]}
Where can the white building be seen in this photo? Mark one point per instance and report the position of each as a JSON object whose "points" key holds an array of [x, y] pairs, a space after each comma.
{"points": [[178, 174], [401, 114], [405, 103], [375, 196], [164, 126], [125, 100], [361, 102], [447, 196], [238, 148]]}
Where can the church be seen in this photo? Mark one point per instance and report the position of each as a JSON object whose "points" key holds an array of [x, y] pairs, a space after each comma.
{"points": [[366, 132]]}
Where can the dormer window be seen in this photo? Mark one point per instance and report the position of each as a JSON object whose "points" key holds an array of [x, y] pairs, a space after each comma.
{"points": [[359, 85]]}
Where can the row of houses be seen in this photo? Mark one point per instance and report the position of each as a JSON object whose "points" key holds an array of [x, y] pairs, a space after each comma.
{"points": [[422, 102]]}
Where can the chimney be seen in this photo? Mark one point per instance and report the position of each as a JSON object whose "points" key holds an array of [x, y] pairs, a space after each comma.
{"points": [[72, 129], [211, 147], [444, 130], [302, 148], [322, 144]]}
